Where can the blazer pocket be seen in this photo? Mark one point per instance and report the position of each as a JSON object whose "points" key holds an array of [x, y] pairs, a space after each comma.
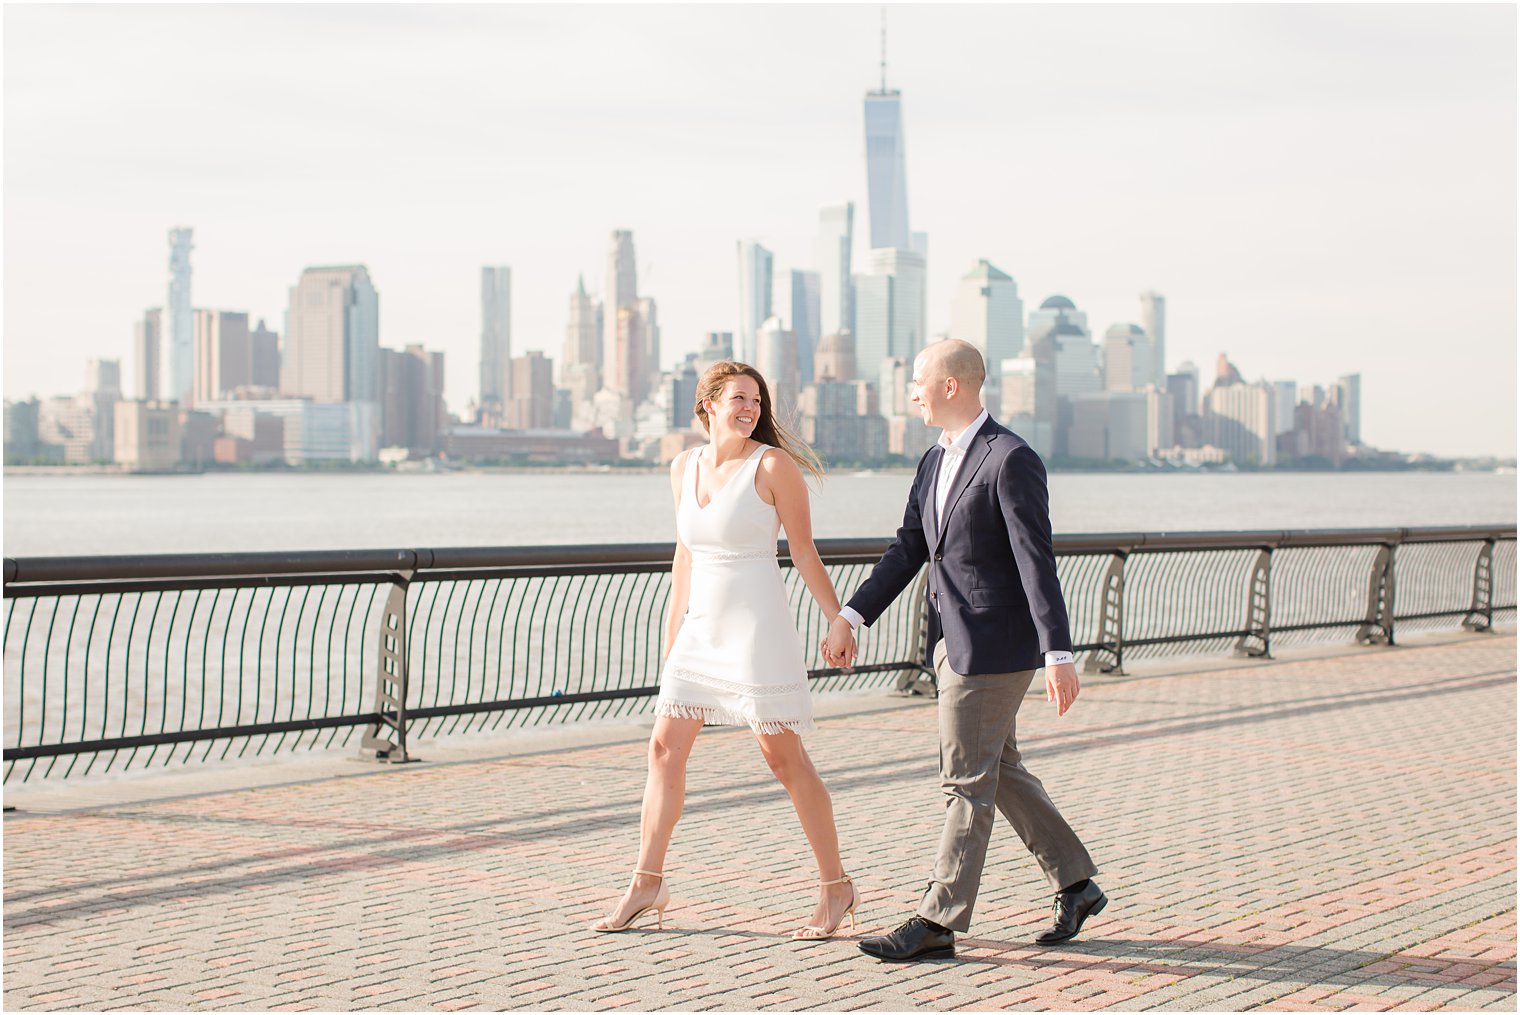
{"points": [[995, 597]]}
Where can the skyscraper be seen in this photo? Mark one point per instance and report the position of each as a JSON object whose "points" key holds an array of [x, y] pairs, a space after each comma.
{"points": [[1127, 358], [803, 312], [147, 345], [776, 359], [649, 350], [531, 406], [622, 294], [179, 324], [756, 276], [831, 256], [495, 337], [886, 166], [581, 364], [266, 357], [1153, 320], [1349, 395], [223, 354], [889, 309], [988, 313], [332, 337]]}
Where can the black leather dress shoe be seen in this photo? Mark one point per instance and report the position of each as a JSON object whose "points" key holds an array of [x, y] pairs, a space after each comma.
{"points": [[1072, 908], [916, 939]]}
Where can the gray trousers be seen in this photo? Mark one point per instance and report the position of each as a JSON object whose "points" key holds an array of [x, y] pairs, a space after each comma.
{"points": [[979, 767]]}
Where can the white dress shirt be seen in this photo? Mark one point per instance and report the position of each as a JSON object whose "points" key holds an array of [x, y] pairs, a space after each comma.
{"points": [[949, 466]]}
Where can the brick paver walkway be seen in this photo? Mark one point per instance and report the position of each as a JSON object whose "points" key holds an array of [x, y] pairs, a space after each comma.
{"points": [[1322, 833]]}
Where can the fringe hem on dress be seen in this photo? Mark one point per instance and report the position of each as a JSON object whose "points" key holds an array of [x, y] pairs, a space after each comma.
{"points": [[712, 715]]}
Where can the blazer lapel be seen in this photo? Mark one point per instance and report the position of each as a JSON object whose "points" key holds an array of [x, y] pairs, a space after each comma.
{"points": [[975, 456], [926, 509]]}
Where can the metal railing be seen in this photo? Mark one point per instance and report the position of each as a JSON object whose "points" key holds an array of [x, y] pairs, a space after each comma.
{"points": [[126, 662]]}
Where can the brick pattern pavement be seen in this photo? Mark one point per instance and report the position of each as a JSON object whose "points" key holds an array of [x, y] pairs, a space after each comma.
{"points": [[1329, 834]]}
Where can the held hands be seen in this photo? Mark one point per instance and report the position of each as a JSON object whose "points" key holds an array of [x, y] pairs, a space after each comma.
{"points": [[839, 646], [1062, 686]]}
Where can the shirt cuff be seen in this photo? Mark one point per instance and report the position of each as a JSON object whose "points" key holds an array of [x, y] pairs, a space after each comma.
{"points": [[1059, 658], [851, 617]]}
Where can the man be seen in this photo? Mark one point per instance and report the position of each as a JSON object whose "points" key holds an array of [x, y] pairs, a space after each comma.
{"points": [[979, 515]]}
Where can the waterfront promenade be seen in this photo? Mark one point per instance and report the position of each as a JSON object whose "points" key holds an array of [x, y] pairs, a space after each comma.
{"points": [[1324, 831]]}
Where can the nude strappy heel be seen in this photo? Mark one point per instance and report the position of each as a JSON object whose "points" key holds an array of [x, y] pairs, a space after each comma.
{"points": [[661, 900], [811, 933]]}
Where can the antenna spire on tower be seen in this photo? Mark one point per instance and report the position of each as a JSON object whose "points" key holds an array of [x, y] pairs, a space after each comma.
{"points": [[884, 48]]}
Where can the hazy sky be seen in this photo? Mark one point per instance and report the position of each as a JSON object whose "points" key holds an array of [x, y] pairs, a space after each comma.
{"points": [[1317, 190]]}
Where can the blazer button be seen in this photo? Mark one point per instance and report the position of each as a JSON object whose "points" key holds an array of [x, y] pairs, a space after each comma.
{"points": [[939, 556]]}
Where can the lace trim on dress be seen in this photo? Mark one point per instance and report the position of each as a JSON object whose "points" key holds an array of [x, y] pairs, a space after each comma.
{"points": [[725, 556], [732, 687], [713, 715]]}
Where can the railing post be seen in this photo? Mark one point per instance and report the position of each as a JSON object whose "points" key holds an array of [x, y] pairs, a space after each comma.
{"points": [[920, 680], [1257, 641], [391, 680], [1377, 629], [1480, 615], [1109, 658]]}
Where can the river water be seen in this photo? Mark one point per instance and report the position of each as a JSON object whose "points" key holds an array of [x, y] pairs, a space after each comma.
{"points": [[225, 512]]}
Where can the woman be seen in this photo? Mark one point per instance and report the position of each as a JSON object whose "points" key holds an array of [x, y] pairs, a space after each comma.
{"points": [[732, 652]]}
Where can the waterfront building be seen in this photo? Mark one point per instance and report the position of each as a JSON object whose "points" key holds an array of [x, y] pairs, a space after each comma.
{"points": [[776, 359], [1153, 320], [1187, 424], [623, 368], [23, 446], [988, 313], [146, 435], [1240, 419], [832, 253], [1076, 355], [264, 355], [259, 437], [178, 322], [1285, 394], [529, 447], [223, 354], [1028, 398], [1109, 426], [756, 280], [69, 423], [147, 339], [893, 381], [313, 431], [581, 363], [835, 359], [889, 309], [532, 399], [1318, 432], [412, 413], [332, 341], [1127, 358], [102, 390], [495, 337], [836, 429], [804, 314], [622, 294], [649, 348], [908, 436], [1349, 397], [681, 396], [1160, 419]]}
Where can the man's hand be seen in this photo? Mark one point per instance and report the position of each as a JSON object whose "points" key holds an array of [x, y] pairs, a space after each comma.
{"points": [[839, 646], [1062, 686]]}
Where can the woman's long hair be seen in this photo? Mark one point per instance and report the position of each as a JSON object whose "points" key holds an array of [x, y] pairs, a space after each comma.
{"points": [[768, 429]]}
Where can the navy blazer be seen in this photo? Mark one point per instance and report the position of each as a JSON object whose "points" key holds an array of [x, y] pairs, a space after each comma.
{"points": [[993, 592]]}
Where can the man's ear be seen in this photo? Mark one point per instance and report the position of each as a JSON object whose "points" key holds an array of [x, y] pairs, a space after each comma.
{"points": [[952, 386]]}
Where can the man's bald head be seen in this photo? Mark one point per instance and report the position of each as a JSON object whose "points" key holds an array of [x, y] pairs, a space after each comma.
{"points": [[953, 358]]}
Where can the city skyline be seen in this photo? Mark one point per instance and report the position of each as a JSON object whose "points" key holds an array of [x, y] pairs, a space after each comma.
{"points": [[1275, 285]]}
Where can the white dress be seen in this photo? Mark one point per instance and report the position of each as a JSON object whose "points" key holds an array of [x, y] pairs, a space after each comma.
{"points": [[737, 659]]}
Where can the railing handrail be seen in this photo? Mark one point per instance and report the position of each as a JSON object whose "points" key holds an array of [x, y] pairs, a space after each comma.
{"points": [[24, 571]]}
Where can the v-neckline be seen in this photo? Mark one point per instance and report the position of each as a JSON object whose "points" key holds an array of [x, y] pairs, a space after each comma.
{"points": [[696, 480]]}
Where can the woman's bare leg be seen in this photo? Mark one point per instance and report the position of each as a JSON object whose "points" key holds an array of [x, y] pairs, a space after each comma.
{"points": [[664, 795], [810, 798]]}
